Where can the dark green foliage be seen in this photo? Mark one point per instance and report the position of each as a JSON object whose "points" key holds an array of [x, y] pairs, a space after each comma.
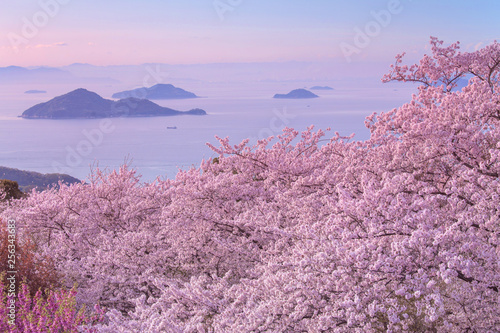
{"points": [[11, 188]]}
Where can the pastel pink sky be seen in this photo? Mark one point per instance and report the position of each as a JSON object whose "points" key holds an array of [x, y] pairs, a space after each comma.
{"points": [[61, 32]]}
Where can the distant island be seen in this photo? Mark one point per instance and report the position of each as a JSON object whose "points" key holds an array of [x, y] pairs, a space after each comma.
{"points": [[28, 180], [35, 92], [297, 94], [159, 91], [321, 88], [82, 103]]}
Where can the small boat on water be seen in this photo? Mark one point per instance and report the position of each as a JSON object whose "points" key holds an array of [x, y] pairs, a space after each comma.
{"points": [[171, 127]]}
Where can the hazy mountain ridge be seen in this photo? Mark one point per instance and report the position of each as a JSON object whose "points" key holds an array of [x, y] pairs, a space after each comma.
{"points": [[211, 72], [30, 179], [17, 74]]}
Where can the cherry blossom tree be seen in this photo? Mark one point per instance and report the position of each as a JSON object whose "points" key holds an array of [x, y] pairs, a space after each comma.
{"points": [[301, 233]]}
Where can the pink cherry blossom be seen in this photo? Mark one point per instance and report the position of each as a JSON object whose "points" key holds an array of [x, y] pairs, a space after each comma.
{"points": [[299, 233]]}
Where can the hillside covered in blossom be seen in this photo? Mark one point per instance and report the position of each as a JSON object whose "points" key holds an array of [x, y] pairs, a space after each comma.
{"points": [[306, 232]]}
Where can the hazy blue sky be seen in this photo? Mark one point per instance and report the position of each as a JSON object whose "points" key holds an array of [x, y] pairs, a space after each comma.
{"points": [[104, 32]]}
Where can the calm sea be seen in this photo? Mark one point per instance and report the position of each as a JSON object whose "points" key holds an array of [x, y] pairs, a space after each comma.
{"points": [[234, 110]]}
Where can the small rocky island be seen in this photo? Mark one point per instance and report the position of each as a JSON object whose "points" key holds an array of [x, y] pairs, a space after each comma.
{"points": [[297, 94], [158, 91], [82, 103], [321, 88], [35, 91]]}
